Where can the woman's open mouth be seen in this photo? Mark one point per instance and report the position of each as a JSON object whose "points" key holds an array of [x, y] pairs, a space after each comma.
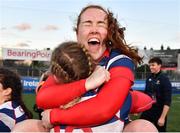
{"points": [[93, 41]]}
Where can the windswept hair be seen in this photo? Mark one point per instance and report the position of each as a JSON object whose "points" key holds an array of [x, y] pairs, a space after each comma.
{"points": [[10, 79], [115, 37]]}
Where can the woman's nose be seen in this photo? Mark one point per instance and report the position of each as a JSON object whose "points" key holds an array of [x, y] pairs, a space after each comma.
{"points": [[94, 30]]}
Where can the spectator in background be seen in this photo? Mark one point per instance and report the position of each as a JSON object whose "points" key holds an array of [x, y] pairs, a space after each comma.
{"points": [[12, 107], [159, 88]]}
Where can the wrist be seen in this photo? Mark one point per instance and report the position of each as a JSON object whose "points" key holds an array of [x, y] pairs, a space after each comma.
{"points": [[87, 85]]}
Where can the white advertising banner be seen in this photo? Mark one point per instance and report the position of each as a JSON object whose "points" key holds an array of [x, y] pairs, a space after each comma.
{"points": [[26, 54]]}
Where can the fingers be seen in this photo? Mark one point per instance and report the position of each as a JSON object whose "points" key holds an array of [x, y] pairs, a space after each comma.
{"points": [[97, 78], [46, 119], [107, 76], [102, 70], [160, 124], [98, 67]]}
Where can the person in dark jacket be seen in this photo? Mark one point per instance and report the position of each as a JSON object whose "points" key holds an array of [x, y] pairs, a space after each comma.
{"points": [[159, 88]]}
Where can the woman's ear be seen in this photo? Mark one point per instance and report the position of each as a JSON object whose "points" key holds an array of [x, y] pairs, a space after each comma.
{"points": [[7, 92]]}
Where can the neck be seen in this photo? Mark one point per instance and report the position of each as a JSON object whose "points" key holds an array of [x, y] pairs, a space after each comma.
{"points": [[106, 53], [156, 74], [2, 101]]}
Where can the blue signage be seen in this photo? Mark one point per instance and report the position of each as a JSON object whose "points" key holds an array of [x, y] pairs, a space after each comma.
{"points": [[175, 87], [139, 85], [29, 84]]}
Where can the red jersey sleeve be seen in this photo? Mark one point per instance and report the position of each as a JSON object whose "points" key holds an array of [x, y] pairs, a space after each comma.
{"points": [[52, 95], [140, 102], [100, 108]]}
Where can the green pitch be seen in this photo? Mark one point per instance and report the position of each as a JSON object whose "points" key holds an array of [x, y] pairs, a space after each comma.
{"points": [[173, 118]]}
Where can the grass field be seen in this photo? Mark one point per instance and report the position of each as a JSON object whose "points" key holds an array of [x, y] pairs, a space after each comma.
{"points": [[173, 117]]}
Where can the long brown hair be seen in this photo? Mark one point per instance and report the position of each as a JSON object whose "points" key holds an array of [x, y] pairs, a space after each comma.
{"points": [[115, 38], [10, 79]]}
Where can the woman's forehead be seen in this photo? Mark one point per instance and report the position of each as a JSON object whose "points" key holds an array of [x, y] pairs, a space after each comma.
{"points": [[92, 13]]}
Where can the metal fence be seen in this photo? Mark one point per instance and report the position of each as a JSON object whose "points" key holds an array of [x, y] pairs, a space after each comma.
{"points": [[29, 72], [37, 72]]}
